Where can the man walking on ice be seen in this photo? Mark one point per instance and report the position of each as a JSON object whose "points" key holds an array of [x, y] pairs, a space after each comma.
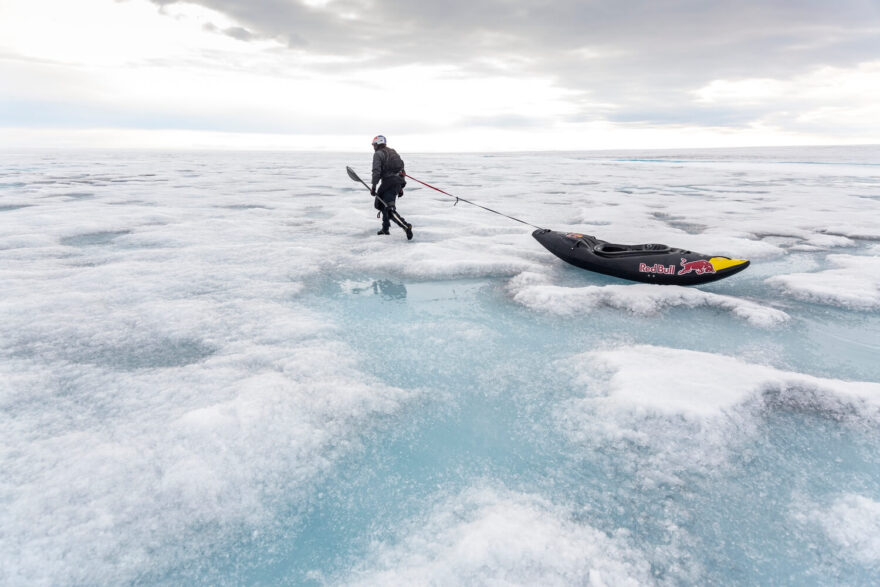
{"points": [[388, 168]]}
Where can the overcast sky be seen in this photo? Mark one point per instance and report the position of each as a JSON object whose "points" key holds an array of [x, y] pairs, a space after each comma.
{"points": [[439, 75]]}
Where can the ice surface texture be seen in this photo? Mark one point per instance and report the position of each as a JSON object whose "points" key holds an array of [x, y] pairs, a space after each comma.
{"points": [[213, 371]]}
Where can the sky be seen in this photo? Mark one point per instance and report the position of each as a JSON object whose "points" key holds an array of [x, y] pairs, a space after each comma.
{"points": [[457, 75]]}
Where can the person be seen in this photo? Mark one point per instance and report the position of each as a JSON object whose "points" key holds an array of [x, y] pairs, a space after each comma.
{"points": [[388, 169]]}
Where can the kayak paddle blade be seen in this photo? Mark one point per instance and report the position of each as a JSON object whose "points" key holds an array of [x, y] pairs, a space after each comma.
{"points": [[353, 175]]}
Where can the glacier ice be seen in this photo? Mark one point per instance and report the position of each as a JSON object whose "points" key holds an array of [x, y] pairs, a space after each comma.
{"points": [[212, 371]]}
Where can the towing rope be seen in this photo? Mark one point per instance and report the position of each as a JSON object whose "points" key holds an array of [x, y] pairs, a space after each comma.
{"points": [[457, 199]]}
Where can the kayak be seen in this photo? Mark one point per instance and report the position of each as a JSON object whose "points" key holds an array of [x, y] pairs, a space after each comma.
{"points": [[648, 263]]}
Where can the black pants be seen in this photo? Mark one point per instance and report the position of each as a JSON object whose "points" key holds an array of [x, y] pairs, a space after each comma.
{"points": [[387, 192]]}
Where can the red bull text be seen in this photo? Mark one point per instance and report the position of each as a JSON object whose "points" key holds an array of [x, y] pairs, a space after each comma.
{"points": [[657, 268]]}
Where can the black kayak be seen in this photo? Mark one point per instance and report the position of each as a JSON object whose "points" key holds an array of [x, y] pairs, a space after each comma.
{"points": [[648, 263]]}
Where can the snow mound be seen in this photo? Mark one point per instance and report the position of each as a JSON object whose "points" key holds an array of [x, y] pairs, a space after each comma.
{"points": [[644, 299], [852, 523], [497, 537], [854, 283], [452, 257], [694, 385], [682, 410]]}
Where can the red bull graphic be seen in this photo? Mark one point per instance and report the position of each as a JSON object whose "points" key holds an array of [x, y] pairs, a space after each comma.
{"points": [[574, 235], [699, 267], [657, 268]]}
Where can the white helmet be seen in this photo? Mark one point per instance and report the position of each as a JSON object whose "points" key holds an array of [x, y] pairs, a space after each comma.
{"points": [[378, 140]]}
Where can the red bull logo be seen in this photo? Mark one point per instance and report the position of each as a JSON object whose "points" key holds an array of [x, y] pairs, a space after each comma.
{"points": [[699, 267]]}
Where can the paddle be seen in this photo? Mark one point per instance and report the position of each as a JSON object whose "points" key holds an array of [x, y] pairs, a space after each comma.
{"points": [[354, 177]]}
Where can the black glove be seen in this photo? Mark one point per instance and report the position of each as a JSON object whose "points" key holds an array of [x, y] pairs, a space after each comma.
{"points": [[373, 191], [400, 195]]}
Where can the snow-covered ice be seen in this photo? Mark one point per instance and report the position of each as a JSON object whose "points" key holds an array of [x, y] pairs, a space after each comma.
{"points": [[485, 536], [213, 371], [852, 282], [529, 289], [851, 522]]}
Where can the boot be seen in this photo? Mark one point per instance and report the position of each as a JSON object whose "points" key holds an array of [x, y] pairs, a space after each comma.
{"points": [[408, 230], [383, 231]]}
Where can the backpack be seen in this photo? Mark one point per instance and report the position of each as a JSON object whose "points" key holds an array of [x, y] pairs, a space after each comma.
{"points": [[393, 163]]}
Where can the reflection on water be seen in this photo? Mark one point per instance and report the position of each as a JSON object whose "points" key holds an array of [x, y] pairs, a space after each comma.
{"points": [[389, 289], [382, 287]]}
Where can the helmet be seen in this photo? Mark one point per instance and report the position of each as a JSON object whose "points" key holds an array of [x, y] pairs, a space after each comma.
{"points": [[378, 140]]}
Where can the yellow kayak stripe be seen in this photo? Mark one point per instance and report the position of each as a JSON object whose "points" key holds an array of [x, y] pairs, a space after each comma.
{"points": [[720, 263]]}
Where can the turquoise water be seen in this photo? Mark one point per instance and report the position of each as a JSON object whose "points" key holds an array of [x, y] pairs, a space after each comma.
{"points": [[489, 414]]}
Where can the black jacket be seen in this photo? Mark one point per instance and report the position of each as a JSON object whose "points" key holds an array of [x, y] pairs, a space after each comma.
{"points": [[386, 163]]}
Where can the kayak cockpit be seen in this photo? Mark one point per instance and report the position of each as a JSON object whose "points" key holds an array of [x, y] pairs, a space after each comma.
{"points": [[615, 250]]}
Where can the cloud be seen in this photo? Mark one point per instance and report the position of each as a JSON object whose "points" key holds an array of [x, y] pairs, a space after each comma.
{"points": [[236, 32], [659, 40], [645, 57], [682, 68], [504, 121]]}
